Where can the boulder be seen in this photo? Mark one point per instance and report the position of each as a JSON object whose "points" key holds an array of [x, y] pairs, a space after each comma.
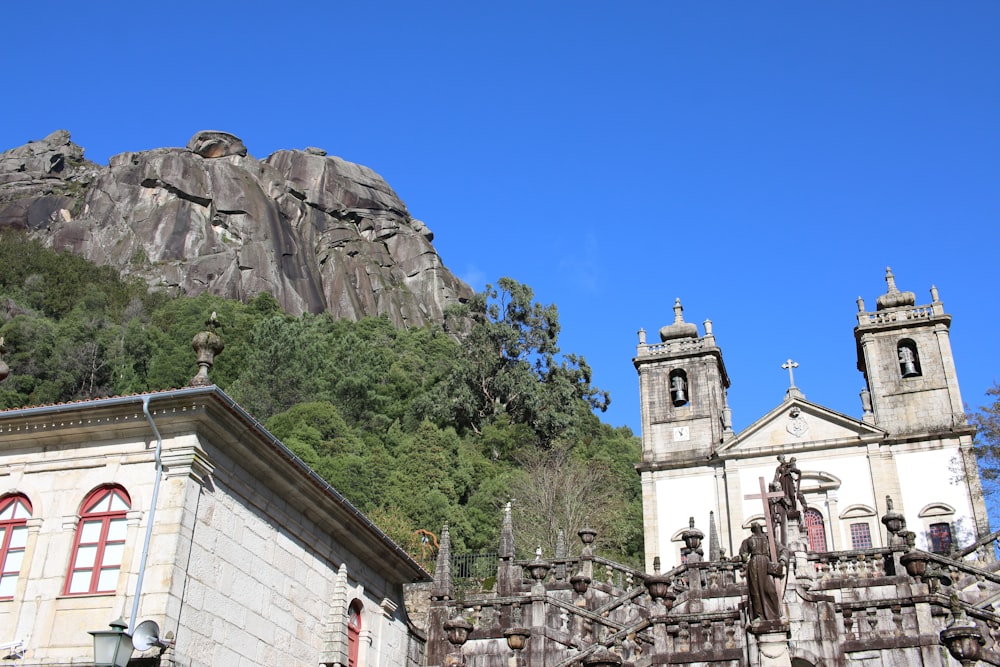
{"points": [[317, 232], [212, 144]]}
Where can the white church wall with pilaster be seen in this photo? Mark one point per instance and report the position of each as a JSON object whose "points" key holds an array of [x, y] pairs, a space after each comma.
{"points": [[934, 476], [681, 495]]}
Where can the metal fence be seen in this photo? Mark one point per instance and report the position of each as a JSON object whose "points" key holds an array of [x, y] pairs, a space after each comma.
{"points": [[474, 565]]}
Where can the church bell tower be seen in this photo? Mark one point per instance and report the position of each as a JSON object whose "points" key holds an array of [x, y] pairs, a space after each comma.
{"points": [[904, 351], [682, 387]]}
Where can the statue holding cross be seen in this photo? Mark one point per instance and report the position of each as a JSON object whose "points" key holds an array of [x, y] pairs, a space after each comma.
{"points": [[763, 566]]}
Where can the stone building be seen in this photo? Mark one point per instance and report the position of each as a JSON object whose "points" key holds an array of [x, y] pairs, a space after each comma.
{"points": [[179, 507], [876, 550]]}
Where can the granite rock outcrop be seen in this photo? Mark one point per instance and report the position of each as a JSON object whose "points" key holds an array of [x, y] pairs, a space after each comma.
{"points": [[317, 232]]}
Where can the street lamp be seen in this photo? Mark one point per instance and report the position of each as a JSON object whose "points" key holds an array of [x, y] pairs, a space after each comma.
{"points": [[112, 648]]}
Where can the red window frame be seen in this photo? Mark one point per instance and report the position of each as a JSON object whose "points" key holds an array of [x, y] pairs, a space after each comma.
{"points": [[815, 530], [15, 509], [98, 512], [353, 633]]}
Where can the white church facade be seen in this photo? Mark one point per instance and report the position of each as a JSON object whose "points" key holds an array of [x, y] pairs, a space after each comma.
{"points": [[912, 443]]}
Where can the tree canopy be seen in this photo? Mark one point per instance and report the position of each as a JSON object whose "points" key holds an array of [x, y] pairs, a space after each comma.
{"points": [[417, 427], [987, 421]]}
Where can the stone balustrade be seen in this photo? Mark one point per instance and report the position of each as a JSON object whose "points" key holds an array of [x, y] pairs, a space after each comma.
{"points": [[898, 315], [672, 347], [711, 576], [834, 567]]}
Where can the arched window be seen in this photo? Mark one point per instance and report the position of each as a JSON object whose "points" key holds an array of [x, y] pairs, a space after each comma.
{"points": [[678, 388], [815, 530], [353, 633], [100, 542], [909, 359], [15, 510], [859, 520]]}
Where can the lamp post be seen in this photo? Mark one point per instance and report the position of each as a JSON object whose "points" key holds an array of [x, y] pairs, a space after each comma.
{"points": [[112, 648]]}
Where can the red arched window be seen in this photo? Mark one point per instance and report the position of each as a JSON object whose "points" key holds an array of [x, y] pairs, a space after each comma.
{"points": [[353, 633], [15, 510], [100, 542], [815, 530]]}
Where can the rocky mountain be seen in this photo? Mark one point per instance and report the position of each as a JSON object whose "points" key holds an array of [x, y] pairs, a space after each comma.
{"points": [[317, 232]]}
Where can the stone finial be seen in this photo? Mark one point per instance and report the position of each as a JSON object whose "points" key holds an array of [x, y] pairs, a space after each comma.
{"points": [[894, 298], [507, 535], [444, 587], [680, 328], [642, 336], [4, 368], [692, 538], [208, 345], [861, 304], [714, 548], [868, 415], [935, 298], [890, 280]]}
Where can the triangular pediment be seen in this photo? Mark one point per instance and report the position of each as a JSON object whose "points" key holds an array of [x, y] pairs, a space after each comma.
{"points": [[797, 423]]}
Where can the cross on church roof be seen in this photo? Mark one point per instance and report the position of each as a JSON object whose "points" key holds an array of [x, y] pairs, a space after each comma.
{"points": [[790, 365]]}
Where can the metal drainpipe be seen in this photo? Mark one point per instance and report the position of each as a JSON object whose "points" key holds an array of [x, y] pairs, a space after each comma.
{"points": [[152, 515]]}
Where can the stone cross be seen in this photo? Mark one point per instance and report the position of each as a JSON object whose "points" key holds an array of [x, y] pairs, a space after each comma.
{"points": [[765, 496], [790, 365]]}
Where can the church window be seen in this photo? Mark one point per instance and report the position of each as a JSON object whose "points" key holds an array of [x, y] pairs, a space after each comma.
{"points": [[940, 537], [15, 510], [815, 530], [100, 542], [678, 388], [861, 536], [353, 633], [909, 360]]}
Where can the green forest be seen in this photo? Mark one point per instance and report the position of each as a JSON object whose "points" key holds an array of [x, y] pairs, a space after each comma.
{"points": [[417, 427]]}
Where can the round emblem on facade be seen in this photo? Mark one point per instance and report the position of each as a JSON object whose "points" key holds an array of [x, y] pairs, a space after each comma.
{"points": [[797, 426]]}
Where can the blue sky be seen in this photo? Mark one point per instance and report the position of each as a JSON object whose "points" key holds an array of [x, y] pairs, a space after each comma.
{"points": [[762, 161]]}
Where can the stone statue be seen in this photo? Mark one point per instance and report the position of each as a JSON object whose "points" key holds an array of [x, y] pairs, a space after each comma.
{"points": [[779, 511], [788, 476], [760, 573]]}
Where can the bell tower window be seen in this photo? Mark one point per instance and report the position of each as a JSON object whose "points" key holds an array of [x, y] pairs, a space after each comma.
{"points": [[678, 388], [909, 360]]}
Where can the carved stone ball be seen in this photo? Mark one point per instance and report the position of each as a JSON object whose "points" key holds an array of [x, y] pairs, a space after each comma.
{"points": [[210, 144]]}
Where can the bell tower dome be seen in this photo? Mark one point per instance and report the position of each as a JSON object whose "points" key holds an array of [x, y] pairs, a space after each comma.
{"points": [[904, 352]]}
